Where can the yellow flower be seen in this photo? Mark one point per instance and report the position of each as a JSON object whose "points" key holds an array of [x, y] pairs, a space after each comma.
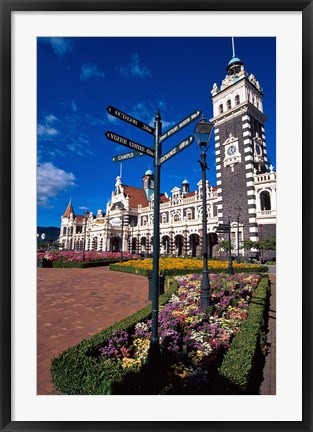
{"points": [[130, 363], [182, 264]]}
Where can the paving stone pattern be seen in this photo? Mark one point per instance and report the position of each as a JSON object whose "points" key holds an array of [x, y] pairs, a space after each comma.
{"points": [[74, 304]]}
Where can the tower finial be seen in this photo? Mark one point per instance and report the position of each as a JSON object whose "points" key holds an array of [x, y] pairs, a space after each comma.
{"points": [[233, 45]]}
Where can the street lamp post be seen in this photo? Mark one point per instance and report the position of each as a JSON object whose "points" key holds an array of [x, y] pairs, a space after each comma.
{"points": [[122, 235], [85, 230], [132, 224], [107, 230], [202, 134], [238, 209]]}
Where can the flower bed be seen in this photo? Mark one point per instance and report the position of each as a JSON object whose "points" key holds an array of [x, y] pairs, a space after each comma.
{"points": [[174, 266], [76, 259], [192, 347]]}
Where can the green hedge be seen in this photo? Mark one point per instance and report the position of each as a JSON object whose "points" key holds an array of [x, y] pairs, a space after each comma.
{"points": [[240, 365], [80, 264], [77, 371], [177, 272]]}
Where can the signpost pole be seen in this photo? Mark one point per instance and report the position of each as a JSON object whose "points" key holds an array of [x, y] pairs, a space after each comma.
{"points": [[154, 349]]}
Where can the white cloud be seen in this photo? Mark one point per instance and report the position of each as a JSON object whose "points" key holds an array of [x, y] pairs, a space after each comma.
{"points": [[50, 181], [74, 106], [60, 46], [46, 129], [90, 70], [134, 68]]}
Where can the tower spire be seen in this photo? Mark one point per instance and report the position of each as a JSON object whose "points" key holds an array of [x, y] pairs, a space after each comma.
{"points": [[69, 209], [233, 45]]}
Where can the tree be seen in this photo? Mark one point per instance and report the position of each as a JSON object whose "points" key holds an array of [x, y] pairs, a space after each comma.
{"points": [[267, 244]]}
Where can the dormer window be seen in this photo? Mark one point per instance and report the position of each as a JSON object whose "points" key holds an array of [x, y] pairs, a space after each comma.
{"points": [[228, 104], [237, 99], [220, 109]]}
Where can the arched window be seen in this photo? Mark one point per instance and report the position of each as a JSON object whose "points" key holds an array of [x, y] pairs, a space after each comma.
{"points": [[265, 201], [237, 99], [228, 104], [164, 218], [176, 217], [95, 243], [220, 109]]}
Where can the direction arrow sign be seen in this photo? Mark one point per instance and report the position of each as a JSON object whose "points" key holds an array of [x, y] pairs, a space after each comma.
{"points": [[181, 146], [128, 143], [221, 230], [125, 156], [129, 119], [180, 125]]}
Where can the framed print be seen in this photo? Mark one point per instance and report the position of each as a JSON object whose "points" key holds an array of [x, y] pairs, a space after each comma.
{"points": [[71, 74]]}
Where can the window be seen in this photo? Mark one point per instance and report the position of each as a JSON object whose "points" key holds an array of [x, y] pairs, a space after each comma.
{"points": [[144, 221], [164, 218], [265, 200], [220, 109], [176, 217], [237, 99], [229, 104]]}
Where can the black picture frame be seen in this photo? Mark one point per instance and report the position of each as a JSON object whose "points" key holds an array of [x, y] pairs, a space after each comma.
{"points": [[7, 7]]}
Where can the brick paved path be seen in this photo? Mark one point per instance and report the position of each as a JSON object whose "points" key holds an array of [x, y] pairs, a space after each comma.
{"points": [[73, 304]]}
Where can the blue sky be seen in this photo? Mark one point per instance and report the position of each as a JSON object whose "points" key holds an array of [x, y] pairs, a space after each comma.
{"points": [[77, 78]]}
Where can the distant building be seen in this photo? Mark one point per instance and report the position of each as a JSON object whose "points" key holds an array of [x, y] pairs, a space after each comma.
{"points": [[245, 186]]}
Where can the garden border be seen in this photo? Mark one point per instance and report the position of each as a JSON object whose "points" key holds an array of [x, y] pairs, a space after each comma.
{"points": [[75, 371], [177, 272]]}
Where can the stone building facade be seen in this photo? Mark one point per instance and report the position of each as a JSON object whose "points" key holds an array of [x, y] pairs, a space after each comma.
{"points": [[244, 195]]}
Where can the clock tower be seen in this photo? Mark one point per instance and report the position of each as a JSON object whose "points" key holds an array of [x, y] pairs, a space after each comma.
{"points": [[240, 146]]}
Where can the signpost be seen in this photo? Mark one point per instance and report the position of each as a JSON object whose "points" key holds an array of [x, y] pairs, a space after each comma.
{"points": [[128, 143], [180, 125], [156, 152], [129, 119], [181, 146], [130, 155]]}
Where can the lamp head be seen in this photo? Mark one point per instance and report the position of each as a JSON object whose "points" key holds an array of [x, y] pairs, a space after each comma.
{"points": [[203, 132]]}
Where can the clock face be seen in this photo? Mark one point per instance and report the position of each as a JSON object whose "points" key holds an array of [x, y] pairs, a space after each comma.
{"points": [[258, 149], [231, 150]]}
